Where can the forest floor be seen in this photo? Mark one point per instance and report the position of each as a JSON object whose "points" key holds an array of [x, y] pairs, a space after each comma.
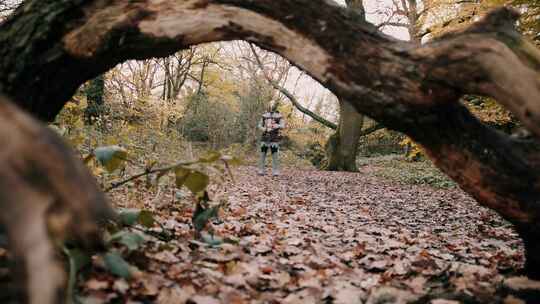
{"points": [[320, 237]]}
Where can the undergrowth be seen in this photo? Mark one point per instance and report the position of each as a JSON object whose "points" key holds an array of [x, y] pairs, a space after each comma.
{"points": [[397, 168]]}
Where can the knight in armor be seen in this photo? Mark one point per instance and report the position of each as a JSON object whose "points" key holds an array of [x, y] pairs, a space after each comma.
{"points": [[271, 124]]}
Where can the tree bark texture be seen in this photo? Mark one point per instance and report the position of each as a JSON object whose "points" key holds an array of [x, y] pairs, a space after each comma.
{"points": [[358, 6], [342, 146], [50, 47]]}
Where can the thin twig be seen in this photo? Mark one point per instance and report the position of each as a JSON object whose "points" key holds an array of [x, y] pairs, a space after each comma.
{"points": [[157, 235], [115, 185], [229, 170]]}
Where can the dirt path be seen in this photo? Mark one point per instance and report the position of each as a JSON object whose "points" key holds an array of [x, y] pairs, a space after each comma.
{"points": [[323, 237]]}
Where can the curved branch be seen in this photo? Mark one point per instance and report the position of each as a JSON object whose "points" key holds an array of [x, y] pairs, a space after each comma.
{"points": [[390, 23], [290, 96], [307, 39]]}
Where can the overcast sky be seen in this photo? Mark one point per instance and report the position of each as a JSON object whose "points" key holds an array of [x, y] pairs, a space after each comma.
{"points": [[371, 6]]}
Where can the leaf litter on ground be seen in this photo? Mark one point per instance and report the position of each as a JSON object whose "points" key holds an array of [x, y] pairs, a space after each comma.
{"points": [[318, 237]]}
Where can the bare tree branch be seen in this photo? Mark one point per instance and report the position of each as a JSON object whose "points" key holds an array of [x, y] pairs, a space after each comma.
{"points": [[390, 23], [289, 96]]}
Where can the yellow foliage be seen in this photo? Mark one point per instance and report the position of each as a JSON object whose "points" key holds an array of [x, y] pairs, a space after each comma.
{"points": [[414, 150], [489, 111], [221, 88]]}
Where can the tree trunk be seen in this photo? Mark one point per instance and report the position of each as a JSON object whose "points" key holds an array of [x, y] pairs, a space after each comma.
{"points": [[358, 6], [48, 48], [413, 26], [342, 146], [165, 93], [95, 92]]}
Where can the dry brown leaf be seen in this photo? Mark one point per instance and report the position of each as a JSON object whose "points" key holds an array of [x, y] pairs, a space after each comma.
{"points": [[175, 294]]}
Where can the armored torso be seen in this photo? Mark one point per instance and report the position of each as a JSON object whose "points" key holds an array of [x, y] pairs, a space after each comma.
{"points": [[272, 123]]}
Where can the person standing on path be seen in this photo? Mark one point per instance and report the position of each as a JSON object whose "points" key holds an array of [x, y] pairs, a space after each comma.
{"points": [[271, 124]]}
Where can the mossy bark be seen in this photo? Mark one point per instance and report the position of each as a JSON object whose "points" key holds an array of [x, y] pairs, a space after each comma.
{"points": [[342, 146]]}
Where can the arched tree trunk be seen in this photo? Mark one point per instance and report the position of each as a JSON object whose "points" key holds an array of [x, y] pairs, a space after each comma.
{"points": [[408, 87], [342, 146]]}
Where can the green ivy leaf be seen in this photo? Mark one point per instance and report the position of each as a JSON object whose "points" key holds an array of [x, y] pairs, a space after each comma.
{"points": [[111, 157], [181, 176], [197, 181], [210, 157], [129, 217], [202, 216], [146, 218], [211, 239], [131, 240], [117, 265]]}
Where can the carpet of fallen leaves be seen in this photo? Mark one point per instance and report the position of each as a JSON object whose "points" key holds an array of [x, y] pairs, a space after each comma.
{"points": [[321, 237]]}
